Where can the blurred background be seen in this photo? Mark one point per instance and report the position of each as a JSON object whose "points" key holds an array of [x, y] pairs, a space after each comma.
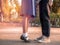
{"points": [[10, 13]]}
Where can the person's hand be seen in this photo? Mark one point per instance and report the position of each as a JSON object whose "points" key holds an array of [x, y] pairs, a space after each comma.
{"points": [[38, 1], [50, 3]]}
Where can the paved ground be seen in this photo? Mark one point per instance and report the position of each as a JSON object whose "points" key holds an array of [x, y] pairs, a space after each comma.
{"points": [[14, 42], [10, 35]]}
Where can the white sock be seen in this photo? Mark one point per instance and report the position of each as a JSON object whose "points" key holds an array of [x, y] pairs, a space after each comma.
{"points": [[25, 34]]}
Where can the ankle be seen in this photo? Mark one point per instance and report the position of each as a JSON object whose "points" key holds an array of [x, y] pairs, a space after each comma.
{"points": [[25, 34]]}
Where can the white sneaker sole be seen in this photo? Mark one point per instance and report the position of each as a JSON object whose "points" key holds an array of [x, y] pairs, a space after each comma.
{"points": [[46, 41]]}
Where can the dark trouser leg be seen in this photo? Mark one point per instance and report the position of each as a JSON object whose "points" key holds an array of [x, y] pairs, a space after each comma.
{"points": [[45, 19]]}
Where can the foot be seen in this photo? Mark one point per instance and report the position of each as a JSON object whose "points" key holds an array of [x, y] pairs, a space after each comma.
{"points": [[25, 39], [43, 39]]}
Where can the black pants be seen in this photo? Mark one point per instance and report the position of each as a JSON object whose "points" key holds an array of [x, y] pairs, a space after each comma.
{"points": [[44, 17]]}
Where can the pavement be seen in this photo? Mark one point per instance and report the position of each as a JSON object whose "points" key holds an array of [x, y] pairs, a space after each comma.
{"points": [[10, 35], [14, 42]]}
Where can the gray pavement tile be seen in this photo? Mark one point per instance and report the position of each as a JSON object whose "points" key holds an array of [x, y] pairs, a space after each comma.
{"points": [[17, 42]]}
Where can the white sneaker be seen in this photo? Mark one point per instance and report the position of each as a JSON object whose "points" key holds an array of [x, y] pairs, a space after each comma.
{"points": [[43, 39]]}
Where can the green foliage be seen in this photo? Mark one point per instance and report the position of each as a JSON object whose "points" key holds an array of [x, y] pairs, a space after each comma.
{"points": [[56, 6], [55, 15], [55, 19]]}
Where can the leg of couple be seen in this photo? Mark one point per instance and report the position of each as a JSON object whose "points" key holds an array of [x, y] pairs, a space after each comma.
{"points": [[45, 29], [45, 23], [24, 36]]}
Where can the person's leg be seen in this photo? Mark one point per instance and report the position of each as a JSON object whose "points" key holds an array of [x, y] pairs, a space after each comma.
{"points": [[45, 19], [25, 25], [25, 29], [45, 22]]}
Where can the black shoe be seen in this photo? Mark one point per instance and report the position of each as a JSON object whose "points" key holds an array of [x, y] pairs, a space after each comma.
{"points": [[22, 38], [25, 39]]}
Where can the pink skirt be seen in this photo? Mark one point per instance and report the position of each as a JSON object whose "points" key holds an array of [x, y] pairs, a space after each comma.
{"points": [[28, 8]]}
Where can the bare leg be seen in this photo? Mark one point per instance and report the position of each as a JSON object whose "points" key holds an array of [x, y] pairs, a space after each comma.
{"points": [[25, 29], [25, 24]]}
